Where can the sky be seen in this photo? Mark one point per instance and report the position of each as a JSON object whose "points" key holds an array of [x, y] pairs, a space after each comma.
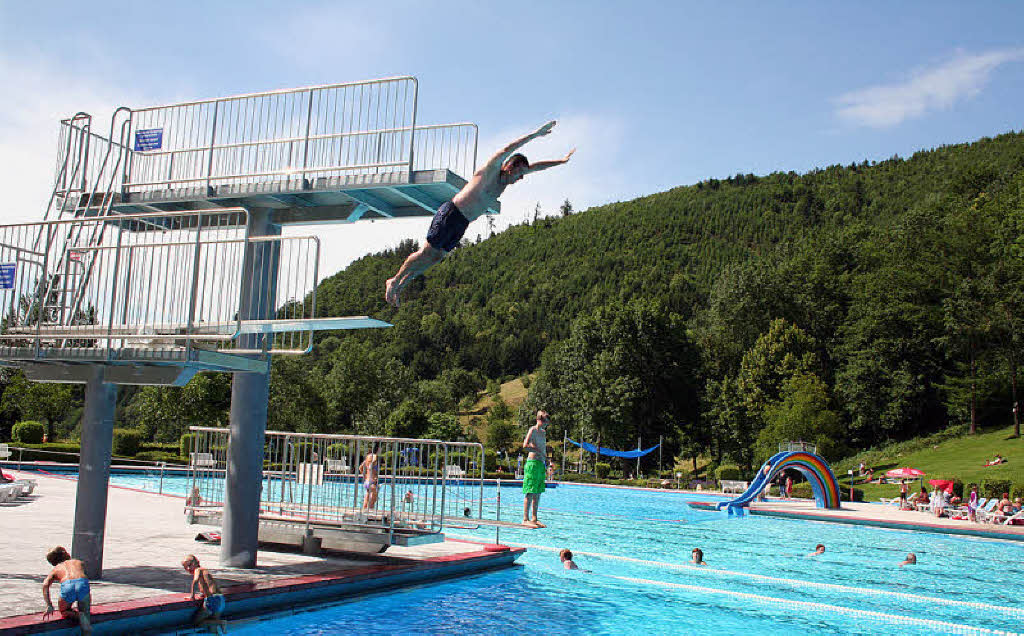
{"points": [[652, 94]]}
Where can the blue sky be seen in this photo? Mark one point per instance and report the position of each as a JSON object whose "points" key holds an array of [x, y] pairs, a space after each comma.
{"points": [[653, 94]]}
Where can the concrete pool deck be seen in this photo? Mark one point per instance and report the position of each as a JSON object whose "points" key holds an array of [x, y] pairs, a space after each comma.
{"points": [[144, 585], [877, 515]]}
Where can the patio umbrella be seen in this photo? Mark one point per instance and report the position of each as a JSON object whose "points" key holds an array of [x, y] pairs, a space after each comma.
{"points": [[942, 484], [904, 472]]}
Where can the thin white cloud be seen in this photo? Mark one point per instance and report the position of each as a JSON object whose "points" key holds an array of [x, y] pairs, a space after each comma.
{"points": [[37, 96], [933, 89]]}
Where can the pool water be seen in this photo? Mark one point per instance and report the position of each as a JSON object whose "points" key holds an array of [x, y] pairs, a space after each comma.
{"points": [[637, 546]]}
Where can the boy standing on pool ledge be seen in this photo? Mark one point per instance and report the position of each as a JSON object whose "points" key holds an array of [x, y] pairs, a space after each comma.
{"points": [[534, 471], [453, 217]]}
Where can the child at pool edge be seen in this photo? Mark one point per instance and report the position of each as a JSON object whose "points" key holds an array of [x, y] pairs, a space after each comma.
{"points": [[213, 599], [818, 550], [697, 556], [910, 560], [74, 587]]}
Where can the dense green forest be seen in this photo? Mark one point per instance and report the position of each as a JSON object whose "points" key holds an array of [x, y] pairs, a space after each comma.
{"points": [[849, 305]]}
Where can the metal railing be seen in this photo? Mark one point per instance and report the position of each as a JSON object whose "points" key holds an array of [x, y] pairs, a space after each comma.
{"points": [[319, 480], [104, 283], [351, 129], [802, 447]]}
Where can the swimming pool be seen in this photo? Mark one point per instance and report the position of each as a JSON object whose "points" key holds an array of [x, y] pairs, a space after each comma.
{"points": [[637, 545]]}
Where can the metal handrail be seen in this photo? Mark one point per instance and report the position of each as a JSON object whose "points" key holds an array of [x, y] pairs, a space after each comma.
{"points": [[281, 91]]}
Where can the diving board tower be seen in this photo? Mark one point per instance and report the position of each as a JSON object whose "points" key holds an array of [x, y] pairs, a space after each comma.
{"points": [[161, 254], [796, 456]]}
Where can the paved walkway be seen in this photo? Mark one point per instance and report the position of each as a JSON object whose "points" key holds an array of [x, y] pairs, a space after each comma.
{"points": [[878, 515], [146, 540]]}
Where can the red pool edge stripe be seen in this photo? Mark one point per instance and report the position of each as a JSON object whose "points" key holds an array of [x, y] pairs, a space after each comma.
{"points": [[108, 614]]}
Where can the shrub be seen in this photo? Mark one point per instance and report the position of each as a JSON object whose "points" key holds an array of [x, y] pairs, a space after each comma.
{"points": [[160, 456], [490, 459], [28, 432], [525, 379], [803, 490], [187, 444], [67, 453], [730, 473], [127, 441], [995, 487], [1017, 490], [603, 469], [154, 446]]}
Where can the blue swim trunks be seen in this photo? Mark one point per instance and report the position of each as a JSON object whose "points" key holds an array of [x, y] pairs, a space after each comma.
{"points": [[215, 604], [74, 590], [447, 228]]}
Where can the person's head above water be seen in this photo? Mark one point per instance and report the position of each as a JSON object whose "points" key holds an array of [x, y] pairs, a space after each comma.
{"points": [[697, 555], [514, 168], [565, 554], [820, 547]]}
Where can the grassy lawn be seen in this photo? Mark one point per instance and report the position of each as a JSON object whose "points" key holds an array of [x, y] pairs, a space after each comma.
{"points": [[961, 457]]}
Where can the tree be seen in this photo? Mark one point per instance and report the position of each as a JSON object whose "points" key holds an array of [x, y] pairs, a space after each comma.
{"points": [[45, 402], [803, 413], [566, 208], [626, 372]]}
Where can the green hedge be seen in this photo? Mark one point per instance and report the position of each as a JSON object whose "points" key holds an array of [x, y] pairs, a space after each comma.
{"points": [[127, 441], [160, 456], [803, 490], [995, 487], [187, 445], [28, 432], [727, 472], [67, 453], [173, 449], [602, 469]]}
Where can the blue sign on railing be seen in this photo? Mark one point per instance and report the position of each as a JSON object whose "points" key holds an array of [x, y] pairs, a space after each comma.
{"points": [[7, 275], [149, 139]]}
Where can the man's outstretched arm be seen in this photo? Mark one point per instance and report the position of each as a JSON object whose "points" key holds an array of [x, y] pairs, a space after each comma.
{"points": [[544, 165], [503, 154]]}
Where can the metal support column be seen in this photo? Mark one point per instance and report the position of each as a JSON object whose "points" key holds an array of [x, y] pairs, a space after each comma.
{"points": [[249, 395], [94, 473]]}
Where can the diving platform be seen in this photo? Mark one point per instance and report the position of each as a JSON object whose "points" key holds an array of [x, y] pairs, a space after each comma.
{"points": [[337, 153], [160, 255]]}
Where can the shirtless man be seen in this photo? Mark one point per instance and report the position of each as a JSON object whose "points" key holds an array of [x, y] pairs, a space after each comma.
{"points": [[74, 587], [370, 471], [213, 600], [533, 472], [452, 218]]}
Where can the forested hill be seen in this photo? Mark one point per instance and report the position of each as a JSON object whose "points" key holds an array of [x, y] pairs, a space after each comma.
{"points": [[846, 305], [501, 301]]}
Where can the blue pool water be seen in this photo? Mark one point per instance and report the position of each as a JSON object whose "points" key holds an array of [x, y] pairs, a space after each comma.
{"points": [[637, 545]]}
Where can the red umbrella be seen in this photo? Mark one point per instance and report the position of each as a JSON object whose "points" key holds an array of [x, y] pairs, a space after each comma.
{"points": [[904, 472], [942, 484]]}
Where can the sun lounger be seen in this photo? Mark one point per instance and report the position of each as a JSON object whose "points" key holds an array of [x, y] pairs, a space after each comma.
{"points": [[8, 492], [1013, 520], [984, 515], [453, 470], [202, 460], [24, 487], [338, 466]]}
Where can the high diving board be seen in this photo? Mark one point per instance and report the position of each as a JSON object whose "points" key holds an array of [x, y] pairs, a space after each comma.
{"points": [[338, 153]]}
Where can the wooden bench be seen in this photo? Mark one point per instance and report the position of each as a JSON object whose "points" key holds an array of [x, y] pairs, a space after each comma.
{"points": [[739, 487]]}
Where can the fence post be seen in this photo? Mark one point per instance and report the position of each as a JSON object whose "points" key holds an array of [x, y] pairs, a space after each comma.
{"points": [[20, 449], [161, 488], [497, 516], [213, 140], [305, 145]]}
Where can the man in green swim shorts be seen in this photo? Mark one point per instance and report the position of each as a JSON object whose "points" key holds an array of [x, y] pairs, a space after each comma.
{"points": [[534, 470]]}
